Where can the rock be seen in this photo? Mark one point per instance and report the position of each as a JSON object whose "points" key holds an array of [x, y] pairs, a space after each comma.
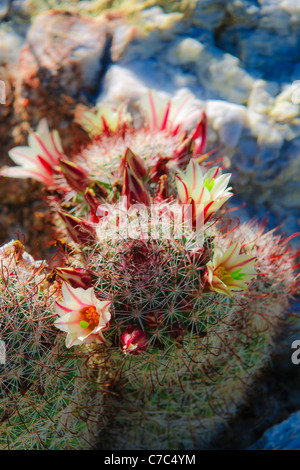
{"points": [[222, 75], [4, 8], [227, 119], [185, 51], [292, 7], [156, 18], [62, 60], [130, 81], [74, 56], [264, 130], [246, 12], [208, 13], [284, 110], [260, 101], [283, 436], [11, 42], [116, 91], [156, 28], [286, 106]]}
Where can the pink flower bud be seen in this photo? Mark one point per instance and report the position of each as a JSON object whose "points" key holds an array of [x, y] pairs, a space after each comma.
{"points": [[134, 340], [76, 176], [77, 277], [134, 188], [79, 229], [136, 164], [159, 168], [94, 204]]}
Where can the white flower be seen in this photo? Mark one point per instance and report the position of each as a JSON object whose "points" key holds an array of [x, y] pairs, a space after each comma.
{"points": [[207, 192], [230, 271], [82, 316], [39, 159], [172, 115]]}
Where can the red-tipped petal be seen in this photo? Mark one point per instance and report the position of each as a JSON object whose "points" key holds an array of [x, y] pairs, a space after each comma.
{"points": [[76, 176], [79, 229], [77, 277]]}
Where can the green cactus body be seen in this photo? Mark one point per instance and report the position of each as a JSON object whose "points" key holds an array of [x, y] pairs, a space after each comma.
{"points": [[47, 400], [178, 395]]}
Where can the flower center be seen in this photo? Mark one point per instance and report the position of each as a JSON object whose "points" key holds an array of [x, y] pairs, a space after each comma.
{"points": [[209, 183], [221, 272], [90, 317]]}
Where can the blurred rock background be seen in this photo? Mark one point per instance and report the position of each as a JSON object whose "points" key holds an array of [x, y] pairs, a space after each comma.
{"points": [[240, 59]]}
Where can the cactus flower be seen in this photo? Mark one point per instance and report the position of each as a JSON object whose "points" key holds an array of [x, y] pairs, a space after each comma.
{"points": [[82, 316], [230, 271], [108, 119], [206, 192], [40, 159], [134, 340], [174, 115]]}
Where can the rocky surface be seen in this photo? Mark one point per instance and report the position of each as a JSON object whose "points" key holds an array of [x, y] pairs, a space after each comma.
{"points": [[60, 62], [283, 436]]}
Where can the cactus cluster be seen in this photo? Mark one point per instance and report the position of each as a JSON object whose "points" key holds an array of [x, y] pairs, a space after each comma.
{"points": [[175, 303], [48, 400]]}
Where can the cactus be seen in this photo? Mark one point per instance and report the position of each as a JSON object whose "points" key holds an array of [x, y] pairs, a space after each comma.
{"points": [[179, 316], [47, 400]]}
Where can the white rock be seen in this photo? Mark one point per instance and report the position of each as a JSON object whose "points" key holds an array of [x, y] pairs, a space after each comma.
{"points": [[155, 17], [223, 76], [121, 84], [260, 100], [287, 104], [261, 127], [227, 119], [293, 8], [185, 51], [284, 110]]}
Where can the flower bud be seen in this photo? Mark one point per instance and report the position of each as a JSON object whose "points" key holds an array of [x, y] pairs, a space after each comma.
{"points": [[93, 202], [76, 176], [134, 340], [77, 277], [133, 188], [135, 163], [162, 192], [79, 229], [159, 168]]}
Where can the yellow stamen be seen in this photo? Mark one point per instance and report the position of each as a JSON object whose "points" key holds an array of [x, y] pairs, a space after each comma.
{"points": [[221, 272], [90, 315]]}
